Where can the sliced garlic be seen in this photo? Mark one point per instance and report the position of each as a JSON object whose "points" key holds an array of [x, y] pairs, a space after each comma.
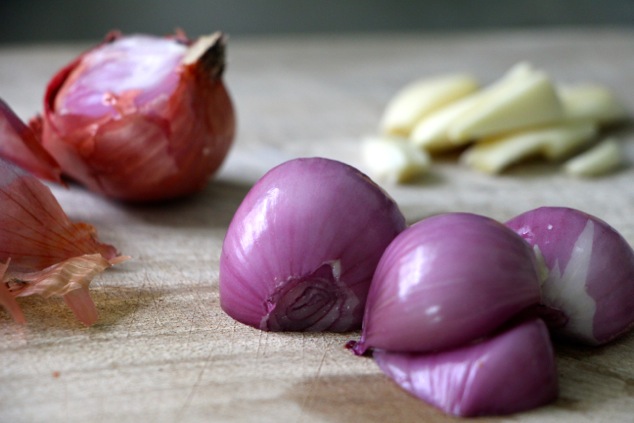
{"points": [[393, 159], [592, 102], [431, 133], [603, 158], [555, 142], [421, 97], [524, 97]]}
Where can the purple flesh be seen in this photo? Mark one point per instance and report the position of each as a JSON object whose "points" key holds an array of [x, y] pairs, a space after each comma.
{"points": [[511, 372]]}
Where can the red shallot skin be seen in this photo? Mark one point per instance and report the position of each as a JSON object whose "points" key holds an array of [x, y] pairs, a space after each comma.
{"points": [[158, 142], [20, 144], [445, 281], [591, 272], [35, 232], [301, 249], [43, 252], [511, 372]]}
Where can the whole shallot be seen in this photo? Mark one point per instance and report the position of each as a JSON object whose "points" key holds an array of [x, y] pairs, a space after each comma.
{"points": [[141, 118]]}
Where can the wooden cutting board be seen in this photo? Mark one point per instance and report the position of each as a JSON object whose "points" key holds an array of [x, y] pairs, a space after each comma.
{"points": [[163, 350]]}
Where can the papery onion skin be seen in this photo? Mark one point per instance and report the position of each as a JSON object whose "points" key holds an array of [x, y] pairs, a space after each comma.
{"points": [[42, 251], [511, 372], [148, 146], [591, 272], [20, 144], [301, 249], [445, 281]]}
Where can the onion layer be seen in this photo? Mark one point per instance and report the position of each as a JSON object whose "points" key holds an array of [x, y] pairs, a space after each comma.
{"points": [[446, 281], [141, 118], [301, 249], [590, 286], [508, 373]]}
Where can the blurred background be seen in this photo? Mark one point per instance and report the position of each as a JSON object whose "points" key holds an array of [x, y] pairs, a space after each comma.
{"points": [[35, 21]]}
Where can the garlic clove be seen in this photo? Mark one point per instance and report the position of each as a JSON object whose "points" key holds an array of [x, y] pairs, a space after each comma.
{"points": [[603, 158], [494, 154], [524, 97], [510, 372], [393, 159], [591, 102], [421, 97]]}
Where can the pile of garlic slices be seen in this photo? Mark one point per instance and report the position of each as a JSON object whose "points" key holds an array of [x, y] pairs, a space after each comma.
{"points": [[522, 115]]}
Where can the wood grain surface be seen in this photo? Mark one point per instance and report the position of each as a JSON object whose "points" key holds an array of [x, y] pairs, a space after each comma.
{"points": [[163, 350]]}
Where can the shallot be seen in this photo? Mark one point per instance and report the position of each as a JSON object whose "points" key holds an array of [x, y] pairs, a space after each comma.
{"points": [[590, 284], [507, 373], [141, 118], [448, 280], [42, 251], [301, 249]]}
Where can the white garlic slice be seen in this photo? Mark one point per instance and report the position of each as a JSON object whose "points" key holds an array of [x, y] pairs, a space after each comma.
{"points": [[591, 102], [555, 142], [603, 158], [431, 133], [523, 97], [422, 97], [394, 160]]}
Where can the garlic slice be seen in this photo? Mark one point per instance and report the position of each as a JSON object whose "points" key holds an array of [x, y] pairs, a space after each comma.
{"points": [[524, 97], [431, 133], [603, 158], [394, 160], [555, 142], [591, 102], [422, 97]]}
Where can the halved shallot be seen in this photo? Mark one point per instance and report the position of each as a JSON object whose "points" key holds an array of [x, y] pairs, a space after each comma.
{"points": [[301, 249], [589, 291]]}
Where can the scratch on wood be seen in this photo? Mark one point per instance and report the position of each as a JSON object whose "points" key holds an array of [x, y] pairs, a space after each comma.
{"points": [[315, 381]]}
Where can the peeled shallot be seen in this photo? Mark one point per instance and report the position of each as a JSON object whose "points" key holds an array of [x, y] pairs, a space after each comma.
{"points": [[589, 292], [446, 281], [301, 249]]}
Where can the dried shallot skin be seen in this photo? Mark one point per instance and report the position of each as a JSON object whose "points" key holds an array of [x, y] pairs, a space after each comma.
{"points": [[165, 146], [43, 252], [20, 144]]}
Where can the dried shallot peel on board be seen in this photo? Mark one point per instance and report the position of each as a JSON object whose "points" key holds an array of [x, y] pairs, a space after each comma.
{"points": [[20, 144], [42, 251]]}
